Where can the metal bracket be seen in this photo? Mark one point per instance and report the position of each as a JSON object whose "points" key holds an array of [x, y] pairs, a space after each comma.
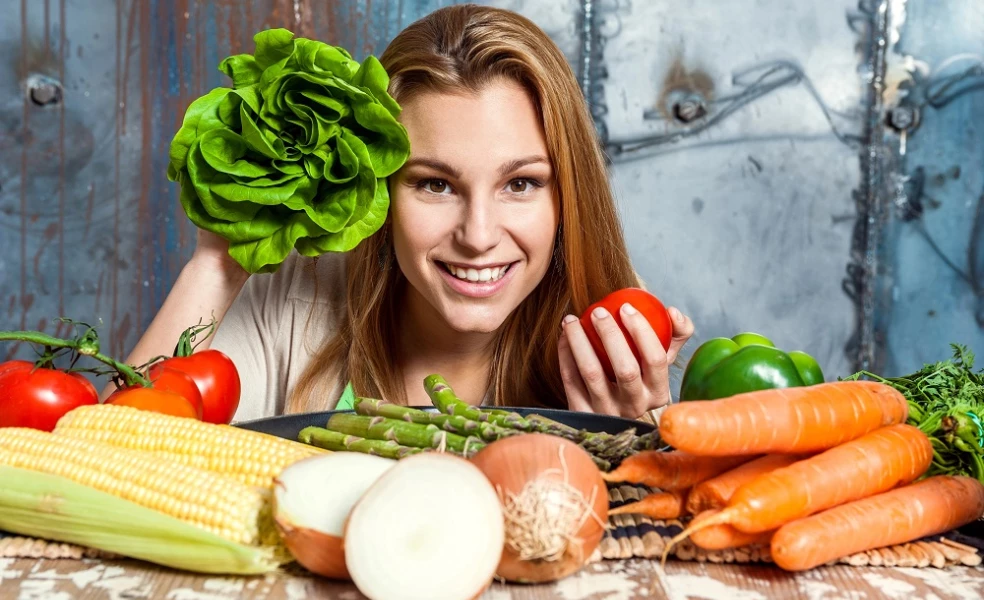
{"points": [[871, 198]]}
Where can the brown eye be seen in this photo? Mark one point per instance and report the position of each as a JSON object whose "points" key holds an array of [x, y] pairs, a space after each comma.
{"points": [[437, 186], [519, 185]]}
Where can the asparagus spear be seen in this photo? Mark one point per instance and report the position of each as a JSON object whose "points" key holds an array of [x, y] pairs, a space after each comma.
{"points": [[647, 441], [447, 402], [340, 442], [618, 446], [402, 432], [453, 423], [592, 439], [488, 432]]}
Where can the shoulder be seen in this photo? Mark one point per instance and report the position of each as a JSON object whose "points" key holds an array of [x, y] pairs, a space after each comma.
{"points": [[301, 279], [320, 280]]}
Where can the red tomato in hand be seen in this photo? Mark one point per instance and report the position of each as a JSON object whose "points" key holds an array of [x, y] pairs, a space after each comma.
{"points": [[154, 400], [218, 380], [38, 397], [648, 306], [166, 378]]}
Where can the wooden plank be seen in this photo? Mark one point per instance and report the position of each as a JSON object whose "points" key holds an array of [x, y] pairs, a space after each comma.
{"points": [[608, 580]]}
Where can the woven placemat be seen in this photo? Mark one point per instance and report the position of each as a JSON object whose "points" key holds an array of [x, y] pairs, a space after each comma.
{"points": [[637, 536], [634, 536]]}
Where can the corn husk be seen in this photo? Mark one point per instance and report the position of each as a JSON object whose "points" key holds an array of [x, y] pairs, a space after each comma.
{"points": [[46, 506]]}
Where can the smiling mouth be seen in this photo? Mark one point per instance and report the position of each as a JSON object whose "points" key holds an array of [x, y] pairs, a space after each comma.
{"points": [[486, 275]]}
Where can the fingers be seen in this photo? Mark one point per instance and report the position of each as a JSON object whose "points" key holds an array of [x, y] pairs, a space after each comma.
{"points": [[683, 328], [577, 395], [589, 366], [628, 374], [653, 358], [651, 352]]}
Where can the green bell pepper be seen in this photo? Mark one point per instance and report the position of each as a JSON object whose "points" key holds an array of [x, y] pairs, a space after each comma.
{"points": [[723, 367]]}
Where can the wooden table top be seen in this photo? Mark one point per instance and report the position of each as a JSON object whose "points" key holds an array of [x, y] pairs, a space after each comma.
{"points": [[91, 579]]}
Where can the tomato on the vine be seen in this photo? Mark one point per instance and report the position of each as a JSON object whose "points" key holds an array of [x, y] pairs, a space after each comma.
{"points": [[217, 379], [37, 397], [155, 400], [166, 378], [648, 306]]}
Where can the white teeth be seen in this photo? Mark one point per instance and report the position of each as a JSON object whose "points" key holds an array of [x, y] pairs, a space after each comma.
{"points": [[477, 275]]}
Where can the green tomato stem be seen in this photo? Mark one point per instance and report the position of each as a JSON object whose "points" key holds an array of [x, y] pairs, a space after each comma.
{"points": [[87, 345]]}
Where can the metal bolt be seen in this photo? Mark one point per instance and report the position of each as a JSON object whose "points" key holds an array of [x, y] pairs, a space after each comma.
{"points": [[44, 91], [689, 110], [903, 117]]}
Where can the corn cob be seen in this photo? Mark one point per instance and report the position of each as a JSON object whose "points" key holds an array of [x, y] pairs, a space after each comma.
{"points": [[55, 508], [251, 457], [221, 505]]}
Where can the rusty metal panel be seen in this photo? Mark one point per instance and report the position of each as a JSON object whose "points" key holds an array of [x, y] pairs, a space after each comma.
{"points": [[935, 272], [733, 129], [92, 92]]}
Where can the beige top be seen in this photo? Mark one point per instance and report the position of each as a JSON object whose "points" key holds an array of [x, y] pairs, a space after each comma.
{"points": [[276, 324]]}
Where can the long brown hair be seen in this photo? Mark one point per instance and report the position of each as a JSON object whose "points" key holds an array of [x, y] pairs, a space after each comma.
{"points": [[459, 49]]}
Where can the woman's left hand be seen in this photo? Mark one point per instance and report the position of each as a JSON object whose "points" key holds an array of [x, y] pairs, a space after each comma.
{"points": [[638, 388]]}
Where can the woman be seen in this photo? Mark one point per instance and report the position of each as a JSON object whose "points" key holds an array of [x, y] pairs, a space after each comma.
{"points": [[502, 227]]}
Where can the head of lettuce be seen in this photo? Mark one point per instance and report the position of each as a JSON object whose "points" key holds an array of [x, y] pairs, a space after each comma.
{"points": [[294, 155]]}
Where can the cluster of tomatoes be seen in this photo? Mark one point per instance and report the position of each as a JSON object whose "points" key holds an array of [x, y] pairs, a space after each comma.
{"points": [[204, 386]]}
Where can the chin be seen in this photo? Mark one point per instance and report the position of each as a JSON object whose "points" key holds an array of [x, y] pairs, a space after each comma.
{"points": [[474, 323]]}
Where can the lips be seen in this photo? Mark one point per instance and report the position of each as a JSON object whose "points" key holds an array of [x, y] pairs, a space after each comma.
{"points": [[477, 275], [477, 282]]}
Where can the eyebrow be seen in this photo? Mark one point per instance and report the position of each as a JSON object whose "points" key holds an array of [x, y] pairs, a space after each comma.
{"points": [[519, 163], [439, 165], [435, 164]]}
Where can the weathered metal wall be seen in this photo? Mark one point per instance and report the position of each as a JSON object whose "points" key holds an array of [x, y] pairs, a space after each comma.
{"points": [[935, 263], [747, 138], [92, 91]]}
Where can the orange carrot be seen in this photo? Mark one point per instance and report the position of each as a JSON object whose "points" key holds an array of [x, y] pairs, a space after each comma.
{"points": [[661, 505], [721, 537], [932, 506], [871, 464], [717, 491], [784, 420], [671, 471]]}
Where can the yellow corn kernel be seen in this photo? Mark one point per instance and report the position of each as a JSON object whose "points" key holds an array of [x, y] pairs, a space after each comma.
{"points": [[221, 505], [251, 457]]}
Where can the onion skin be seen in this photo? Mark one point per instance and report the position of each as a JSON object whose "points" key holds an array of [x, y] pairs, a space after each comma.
{"points": [[318, 552], [510, 463]]}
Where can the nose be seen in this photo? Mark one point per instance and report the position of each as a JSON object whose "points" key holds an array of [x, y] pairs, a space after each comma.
{"points": [[480, 229]]}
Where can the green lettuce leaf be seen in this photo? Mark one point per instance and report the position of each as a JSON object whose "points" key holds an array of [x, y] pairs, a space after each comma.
{"points": [[294, 156]]}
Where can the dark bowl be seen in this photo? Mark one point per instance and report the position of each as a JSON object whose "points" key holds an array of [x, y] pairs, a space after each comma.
{"points": [[288, 426]]}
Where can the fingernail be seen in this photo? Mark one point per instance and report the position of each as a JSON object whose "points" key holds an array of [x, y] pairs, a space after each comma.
{"points": [[569, 319], [629, 309], [675, 314], [599, 313]]}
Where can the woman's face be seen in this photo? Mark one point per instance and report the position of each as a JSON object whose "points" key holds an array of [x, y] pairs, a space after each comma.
{"points": [[474, 210]]}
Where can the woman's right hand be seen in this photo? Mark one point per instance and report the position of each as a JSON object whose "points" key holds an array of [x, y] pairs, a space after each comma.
{"points": [[212, 251]]}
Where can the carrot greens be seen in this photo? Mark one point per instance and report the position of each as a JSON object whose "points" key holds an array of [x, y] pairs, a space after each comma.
{"points": [[946, 402]]}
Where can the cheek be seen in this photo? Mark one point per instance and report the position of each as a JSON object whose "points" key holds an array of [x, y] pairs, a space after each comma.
{"points": [[538, 232], [415, 233]]}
